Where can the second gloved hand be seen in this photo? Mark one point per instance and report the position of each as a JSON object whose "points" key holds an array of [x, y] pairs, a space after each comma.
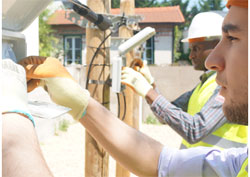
{"points": [[56, 80], [141, 66], [136, 81], [146, 73]]}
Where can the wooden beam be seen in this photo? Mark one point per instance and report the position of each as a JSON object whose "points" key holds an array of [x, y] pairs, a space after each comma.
{"points": [[127, 7], [96, 159]]}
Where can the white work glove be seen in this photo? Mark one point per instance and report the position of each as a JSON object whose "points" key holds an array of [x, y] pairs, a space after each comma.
{"points": [[146, 73], [14, 89], [56, 80], [68, 93], [136, 81], [141, 66]]}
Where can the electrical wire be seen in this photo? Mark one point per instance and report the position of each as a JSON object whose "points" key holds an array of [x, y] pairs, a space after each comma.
{"points": [[98, 48], [118, 108], [125, 105], [93, 58], [90, 68]]}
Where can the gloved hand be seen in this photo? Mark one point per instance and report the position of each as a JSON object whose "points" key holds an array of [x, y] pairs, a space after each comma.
{"points": [[146, 73], [142, 67], [56, 80], [136, 81], [14, 89]]}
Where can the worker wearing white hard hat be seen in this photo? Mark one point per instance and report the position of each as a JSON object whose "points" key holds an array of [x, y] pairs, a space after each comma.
{"points": [[205, 26], [193, 114]]}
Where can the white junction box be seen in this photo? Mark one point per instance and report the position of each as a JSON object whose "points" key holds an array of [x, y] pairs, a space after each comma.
{"points": [[116, 74]]}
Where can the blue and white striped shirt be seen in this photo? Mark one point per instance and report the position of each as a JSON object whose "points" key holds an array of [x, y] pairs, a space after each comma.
{"points": [[191, 128]]}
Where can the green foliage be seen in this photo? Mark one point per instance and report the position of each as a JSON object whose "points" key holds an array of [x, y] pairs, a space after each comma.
{"points": [[185, 56], [138, 3], [115, 3], [206, 5], [146, 3], [46, 40], [151, 119], [64, 125], [178, 35]]}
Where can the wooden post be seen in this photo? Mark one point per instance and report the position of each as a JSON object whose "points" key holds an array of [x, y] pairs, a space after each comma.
{"points": [[127, 7], [96, 159]]}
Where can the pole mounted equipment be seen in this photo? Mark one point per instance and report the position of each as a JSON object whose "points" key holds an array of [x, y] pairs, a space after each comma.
{"points": [[101, 21]]}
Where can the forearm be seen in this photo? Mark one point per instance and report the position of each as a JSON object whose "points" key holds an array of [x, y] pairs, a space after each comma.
{"points": [[151, 96], [22, 155], [134, 150], [191, 128]]}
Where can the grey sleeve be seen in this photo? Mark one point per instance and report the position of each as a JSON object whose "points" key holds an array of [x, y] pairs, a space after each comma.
{"points": [[201, 161], [191, 128]]}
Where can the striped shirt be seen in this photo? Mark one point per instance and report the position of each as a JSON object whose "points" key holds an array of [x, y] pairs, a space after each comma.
{"points": [[191, 128]]}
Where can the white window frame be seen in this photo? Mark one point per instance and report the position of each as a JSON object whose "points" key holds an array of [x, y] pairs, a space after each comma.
{"points": [[73, 49]]}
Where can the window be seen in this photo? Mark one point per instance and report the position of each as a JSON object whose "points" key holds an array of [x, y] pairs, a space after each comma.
{"points": [[72, 50], [148, 53]]}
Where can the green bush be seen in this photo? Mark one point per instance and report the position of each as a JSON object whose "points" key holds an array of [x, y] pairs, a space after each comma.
{"points": [[47, 41], [151, 119], [64, 125]]}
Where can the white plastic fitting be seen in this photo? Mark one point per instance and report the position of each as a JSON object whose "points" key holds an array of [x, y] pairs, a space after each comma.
{"points": [[137, 39]]}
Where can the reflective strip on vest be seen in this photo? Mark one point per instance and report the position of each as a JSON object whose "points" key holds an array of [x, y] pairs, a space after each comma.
{"points": [[244, 169], [227, 136]]}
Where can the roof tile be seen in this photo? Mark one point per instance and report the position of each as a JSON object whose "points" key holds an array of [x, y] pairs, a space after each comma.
{"points": [[170, 14]]}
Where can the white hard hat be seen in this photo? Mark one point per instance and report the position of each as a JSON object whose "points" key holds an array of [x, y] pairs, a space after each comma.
{"points": [[206, 24]]}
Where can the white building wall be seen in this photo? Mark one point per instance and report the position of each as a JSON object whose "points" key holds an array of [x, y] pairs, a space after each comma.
{"points": [[32, 38], [163, 49]]}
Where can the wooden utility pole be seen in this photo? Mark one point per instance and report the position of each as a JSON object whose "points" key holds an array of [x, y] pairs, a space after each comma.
{"points": [[127, 7], [96, 159]]}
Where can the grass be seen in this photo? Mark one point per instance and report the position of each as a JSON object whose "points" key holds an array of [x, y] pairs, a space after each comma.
{"points": [[64, 125], [151, 119]]}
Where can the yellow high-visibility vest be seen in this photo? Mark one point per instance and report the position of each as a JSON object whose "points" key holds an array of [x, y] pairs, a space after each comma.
{"points": [[244, 169], [227, 136]]}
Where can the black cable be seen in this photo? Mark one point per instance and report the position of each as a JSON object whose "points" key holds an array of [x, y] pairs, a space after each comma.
{"points": [[118, 100], [122, 23], [106, 82], [119, 106], [92, 60], [98, 48], [100, 75], [125, 105]]}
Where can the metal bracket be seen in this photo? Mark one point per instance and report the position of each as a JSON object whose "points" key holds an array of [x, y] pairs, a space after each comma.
{"points": [[101, 82], [98, 82], [117, 20]]}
